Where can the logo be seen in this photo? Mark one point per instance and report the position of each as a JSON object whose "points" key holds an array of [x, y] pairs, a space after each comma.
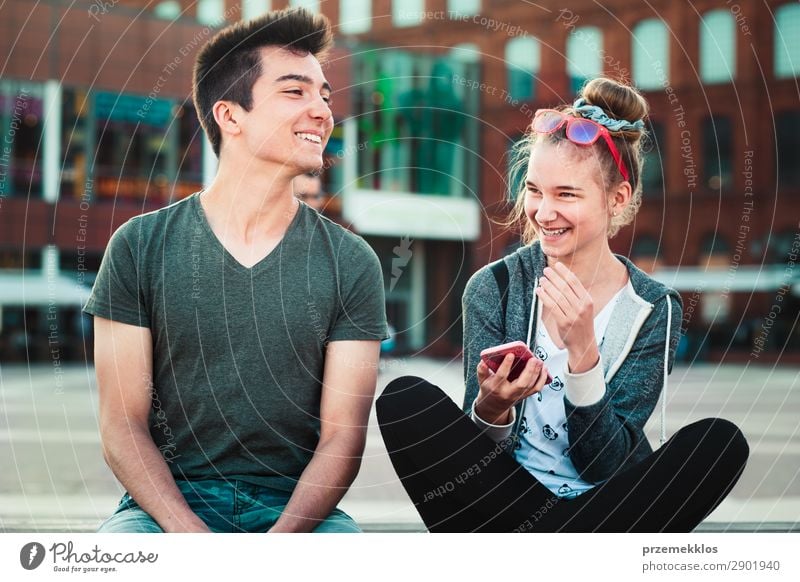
{"points": [[402, 254], [31, 556]]}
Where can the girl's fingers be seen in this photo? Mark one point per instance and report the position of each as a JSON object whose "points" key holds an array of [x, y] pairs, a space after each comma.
{"points": [[482, 371], [529, 374], [571, 287], [570, 279], [505, 368], [559, 291], [541, 381], [555, 278], [550, 302]]}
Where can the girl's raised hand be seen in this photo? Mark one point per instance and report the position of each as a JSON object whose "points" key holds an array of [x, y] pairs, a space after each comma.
{"points": [[571, 306]]}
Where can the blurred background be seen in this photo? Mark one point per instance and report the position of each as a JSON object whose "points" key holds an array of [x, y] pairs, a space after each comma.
{"points": [[97, 125]]}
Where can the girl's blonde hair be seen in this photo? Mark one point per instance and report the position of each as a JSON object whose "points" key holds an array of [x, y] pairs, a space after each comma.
{"points": [[619, 101]]}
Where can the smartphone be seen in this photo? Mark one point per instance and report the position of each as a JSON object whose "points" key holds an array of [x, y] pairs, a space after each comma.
{"points": [[493, 358]]}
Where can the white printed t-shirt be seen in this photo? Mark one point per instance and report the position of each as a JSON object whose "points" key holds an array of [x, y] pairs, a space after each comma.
{"points": [[543, 444]]}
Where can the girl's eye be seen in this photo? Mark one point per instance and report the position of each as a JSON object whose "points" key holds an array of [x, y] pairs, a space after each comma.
{"points": [[326, 99], [295, 91], [534, 192], [568, 194]]}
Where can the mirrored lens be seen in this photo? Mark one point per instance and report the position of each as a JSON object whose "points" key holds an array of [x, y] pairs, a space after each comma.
{"points": [[583, 131], [548, 121]]}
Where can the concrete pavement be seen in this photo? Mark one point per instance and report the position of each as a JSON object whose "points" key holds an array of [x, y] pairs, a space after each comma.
{"points": [[53, 477]]}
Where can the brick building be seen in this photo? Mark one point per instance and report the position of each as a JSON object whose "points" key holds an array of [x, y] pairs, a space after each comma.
{"points": [[430, 95]]}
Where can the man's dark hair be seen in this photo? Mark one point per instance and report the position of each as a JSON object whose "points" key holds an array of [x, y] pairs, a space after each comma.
{"points": [[229, 65]]}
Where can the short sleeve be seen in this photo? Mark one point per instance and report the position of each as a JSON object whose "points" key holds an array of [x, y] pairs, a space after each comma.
{"points": [[361, 311], [116, 292]]}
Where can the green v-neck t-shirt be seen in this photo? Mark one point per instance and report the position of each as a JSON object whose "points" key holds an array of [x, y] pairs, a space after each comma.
{"points": [[238, 353]]}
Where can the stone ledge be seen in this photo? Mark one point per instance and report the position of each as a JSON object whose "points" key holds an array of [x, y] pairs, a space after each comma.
{"points": [[89, 526]]}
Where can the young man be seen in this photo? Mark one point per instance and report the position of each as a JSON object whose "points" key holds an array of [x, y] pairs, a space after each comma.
{"points": [[237, 331], [308, 188]]}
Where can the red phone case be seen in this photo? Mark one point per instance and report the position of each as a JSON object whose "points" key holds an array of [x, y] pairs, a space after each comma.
{"points": [[493, 358]]}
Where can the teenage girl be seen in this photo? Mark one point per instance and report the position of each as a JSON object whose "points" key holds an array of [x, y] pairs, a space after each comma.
{"points": [[569, 454]]}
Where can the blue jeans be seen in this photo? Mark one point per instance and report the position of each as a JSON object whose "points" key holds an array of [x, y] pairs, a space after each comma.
{"points": [[226, 507]]}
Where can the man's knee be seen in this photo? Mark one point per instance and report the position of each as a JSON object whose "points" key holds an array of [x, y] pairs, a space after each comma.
{"points": [[338, 522], [134, 520]]}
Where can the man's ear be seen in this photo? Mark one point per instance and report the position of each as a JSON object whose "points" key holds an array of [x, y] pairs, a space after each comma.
{"points": [[226, 116]]}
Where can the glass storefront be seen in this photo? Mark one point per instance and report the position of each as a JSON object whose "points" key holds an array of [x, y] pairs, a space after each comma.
{"points": [[21, 123], [417, 123], [129, 147]]}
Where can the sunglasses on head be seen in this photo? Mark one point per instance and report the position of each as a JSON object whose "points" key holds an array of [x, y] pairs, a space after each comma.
{"points": [[580, 131]]}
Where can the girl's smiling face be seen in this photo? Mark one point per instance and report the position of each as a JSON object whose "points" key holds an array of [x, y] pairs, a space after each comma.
{"points": [[564, 201]]}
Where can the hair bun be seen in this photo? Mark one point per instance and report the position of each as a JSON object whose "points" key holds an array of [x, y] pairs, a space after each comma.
{"points": [[617, 100]]}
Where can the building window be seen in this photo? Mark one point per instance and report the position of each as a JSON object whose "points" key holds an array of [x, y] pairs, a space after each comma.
{"points": [[517, 168], [466, 52], [85, 263], [715, 253], [788, 142], [782, 246], [310, 5], [646, 247], [124, 146], [190, 152], [77, 133], [333, 162], [254, 8], [655, 154], [136, 148], [584, 56], [650, 49], [407, 12], [211, 12], [647, 253], [21, 124], [417, 126], [355, 16], [168, 10], [712, 244], [523, 60], [787, 41], [20, 258], [717, 47], [463, 7], [717, 152]]}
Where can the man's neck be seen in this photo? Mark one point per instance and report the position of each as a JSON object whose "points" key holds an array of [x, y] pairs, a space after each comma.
{"points": [[249, 203]]}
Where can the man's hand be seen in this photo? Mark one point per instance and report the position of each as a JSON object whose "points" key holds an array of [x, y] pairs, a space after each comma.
{"points": [[123, 358], [348, 389]]}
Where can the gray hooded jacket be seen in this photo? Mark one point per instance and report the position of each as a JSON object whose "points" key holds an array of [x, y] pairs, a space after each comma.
{"points": [[606, 430]]}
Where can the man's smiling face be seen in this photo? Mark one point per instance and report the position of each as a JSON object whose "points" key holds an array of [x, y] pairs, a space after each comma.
{"points": [[290, 121]]}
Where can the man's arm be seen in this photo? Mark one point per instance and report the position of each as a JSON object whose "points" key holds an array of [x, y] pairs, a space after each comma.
{"points": [[123, 358], [348, 388]]}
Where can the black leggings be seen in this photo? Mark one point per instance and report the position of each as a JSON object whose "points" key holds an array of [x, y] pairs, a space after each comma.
{"points": [[462, 481]]}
